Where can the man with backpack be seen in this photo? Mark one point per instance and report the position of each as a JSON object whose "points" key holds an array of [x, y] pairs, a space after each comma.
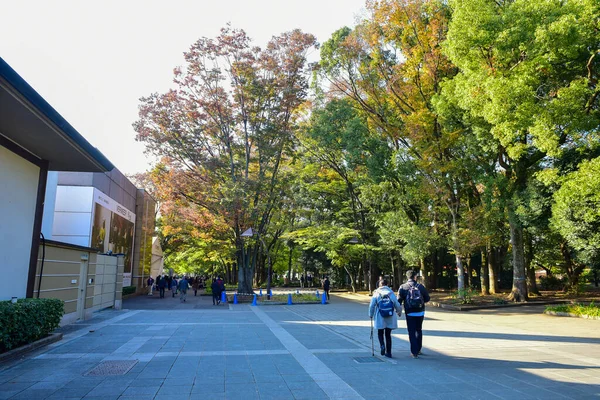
{"points": [[414, 296], [382, 309]]}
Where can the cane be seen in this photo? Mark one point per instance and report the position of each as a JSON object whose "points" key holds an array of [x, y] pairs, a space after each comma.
{"points": [[372, 351]]}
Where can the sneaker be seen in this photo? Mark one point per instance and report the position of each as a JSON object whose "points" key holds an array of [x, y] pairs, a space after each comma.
{"points": [[420, 353], [382, 350], [414, 356], [388, 355]]}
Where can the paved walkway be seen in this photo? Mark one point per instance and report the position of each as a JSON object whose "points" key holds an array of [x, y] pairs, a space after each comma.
{"points": [[194, 350]]}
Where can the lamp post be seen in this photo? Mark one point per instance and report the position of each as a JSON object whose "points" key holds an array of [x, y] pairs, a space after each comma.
{"points": [[249, 233]]}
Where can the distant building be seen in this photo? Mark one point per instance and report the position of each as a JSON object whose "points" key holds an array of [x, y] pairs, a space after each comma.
{"points": [[104, 211]]}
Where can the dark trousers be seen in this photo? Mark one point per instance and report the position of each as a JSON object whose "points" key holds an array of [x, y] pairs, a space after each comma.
{"points": [[216, 298], [162, 292], [414, 325], [327, 293], [388, 339]]}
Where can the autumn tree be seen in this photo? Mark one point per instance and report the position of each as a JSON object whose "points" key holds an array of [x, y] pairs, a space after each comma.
{"points": [[226, 128]]}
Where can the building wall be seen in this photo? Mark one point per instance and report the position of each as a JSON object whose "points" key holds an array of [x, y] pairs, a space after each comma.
{"points": [[18, 194], [73, 214], [67, 269]]}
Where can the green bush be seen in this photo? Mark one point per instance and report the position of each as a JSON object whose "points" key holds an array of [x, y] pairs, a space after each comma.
{"points": [[28, 320], [128, 290], [465, 296], [591, 310], [552, 283]]}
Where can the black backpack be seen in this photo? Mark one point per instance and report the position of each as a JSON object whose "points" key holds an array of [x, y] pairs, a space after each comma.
{"points": [[414, 299], [385, 305]]}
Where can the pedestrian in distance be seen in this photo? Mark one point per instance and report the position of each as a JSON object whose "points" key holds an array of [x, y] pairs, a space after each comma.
{"points": [[183, 288], [380, 281], [414, 296], [174, 286], [302, 281], [150, 283], [162, 284], [385, 309], [326, 286], [196, 284], [216, 292]]}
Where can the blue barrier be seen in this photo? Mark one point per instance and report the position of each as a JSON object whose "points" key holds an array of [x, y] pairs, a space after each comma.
{"points": [[223, 297], [324, 299], [290, 299], [254, 300], [235, 298]]}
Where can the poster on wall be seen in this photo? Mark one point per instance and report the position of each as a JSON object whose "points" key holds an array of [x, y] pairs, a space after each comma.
{"points": [[113, 228]]}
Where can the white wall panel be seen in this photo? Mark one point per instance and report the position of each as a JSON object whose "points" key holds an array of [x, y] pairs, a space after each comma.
{"points": [[18, 194], [74, 198]]}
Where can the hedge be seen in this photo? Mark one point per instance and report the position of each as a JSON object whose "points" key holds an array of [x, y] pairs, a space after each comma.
{"points": [[128, 290], [28, 320]]}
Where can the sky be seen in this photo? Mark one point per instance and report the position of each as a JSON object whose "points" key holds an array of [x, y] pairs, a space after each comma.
{"points": [[93, 60]]}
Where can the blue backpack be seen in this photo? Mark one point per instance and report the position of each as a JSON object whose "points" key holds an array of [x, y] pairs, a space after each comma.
{"points": [[385, 306]]}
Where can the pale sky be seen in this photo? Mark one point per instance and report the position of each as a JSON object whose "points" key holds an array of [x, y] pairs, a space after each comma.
{"points": [[93, 60]]}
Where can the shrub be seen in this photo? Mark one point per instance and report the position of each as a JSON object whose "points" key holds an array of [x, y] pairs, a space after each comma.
{"points": [[465, 296], [552, 283], [128, 290], [28, 320], [591, 310]]}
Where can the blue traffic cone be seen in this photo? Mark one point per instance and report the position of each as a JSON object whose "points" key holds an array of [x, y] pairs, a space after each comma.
{"points": [[324, 299], [317, 293], [254, 300], [235, 298], [223, 297], [260, 292], [290, 299]]}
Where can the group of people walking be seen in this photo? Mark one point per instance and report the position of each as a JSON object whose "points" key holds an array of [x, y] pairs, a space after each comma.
{"points": [[386, 307], [181, 286]]}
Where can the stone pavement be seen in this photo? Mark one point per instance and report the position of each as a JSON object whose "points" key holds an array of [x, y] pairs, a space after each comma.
{"points": [[194, 350]]}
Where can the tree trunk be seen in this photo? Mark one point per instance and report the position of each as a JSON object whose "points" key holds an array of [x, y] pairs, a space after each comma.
{"points": [[469, 271], [519, 286], [484, 277], [290, 265], [245, 269], [531, 283], [491, 267], [351, 279]]}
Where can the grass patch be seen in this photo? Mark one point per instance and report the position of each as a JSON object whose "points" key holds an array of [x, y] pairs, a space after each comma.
{"points": [[591, 310]]}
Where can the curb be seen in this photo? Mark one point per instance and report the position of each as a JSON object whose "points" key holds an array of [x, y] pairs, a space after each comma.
{"points": [[19, 351], [492, 306], [564, 314]]}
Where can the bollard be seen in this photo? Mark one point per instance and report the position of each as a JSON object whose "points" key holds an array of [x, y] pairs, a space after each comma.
{"points": [[235, 298], [223, 297], [290, 299], [260, 292], [318, 294], [254, 300], [324, 299]]}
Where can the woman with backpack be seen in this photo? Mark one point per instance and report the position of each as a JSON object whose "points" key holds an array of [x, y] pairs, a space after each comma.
{"points": [[385, 309], [414, 296]]}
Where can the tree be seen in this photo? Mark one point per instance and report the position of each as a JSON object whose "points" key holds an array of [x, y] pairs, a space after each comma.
{"points": [[528, 71], [225, 131]]}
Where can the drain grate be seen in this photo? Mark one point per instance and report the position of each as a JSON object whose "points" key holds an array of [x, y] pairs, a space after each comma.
{"points": [[112, 367], [367, 360]]}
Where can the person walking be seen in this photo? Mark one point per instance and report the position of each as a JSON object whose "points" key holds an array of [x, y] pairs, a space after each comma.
{"points": [[174, 286], [196, 285], [384, 309], [149, 283], [216, 292], [326, 287], [414, 296], [161, 282], [380, 281], [183, 287]]}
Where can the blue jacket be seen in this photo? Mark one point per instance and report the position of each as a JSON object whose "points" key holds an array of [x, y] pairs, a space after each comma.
{"points": [[403, 292]]}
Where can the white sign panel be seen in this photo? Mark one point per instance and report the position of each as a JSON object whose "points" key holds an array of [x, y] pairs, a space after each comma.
{"points": [[113, 206], [126, 279]]}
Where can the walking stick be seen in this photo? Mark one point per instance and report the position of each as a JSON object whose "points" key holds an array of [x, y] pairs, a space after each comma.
{"points": [[372, 351]]}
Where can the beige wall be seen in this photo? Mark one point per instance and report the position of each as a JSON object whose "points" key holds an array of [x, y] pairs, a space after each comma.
{"points": [[63, 272]]}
